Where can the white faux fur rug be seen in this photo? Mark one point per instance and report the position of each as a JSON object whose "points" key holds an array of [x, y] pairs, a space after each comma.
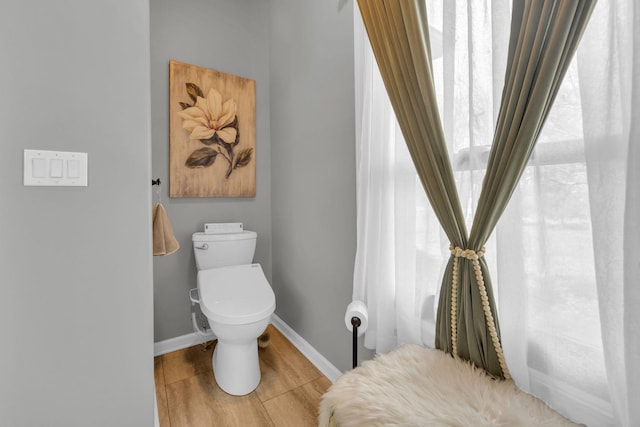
{"points": [[416, 386]]}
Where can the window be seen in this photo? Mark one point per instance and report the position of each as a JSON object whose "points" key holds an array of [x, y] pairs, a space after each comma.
{"points": [[541, 255]]}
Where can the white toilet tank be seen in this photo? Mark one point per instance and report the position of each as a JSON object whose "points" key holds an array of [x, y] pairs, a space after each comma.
{"points": [[221, 250]]}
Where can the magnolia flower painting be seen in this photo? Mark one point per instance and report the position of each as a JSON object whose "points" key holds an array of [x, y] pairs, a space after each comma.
{"points": [[213, 122], [213, 132]]}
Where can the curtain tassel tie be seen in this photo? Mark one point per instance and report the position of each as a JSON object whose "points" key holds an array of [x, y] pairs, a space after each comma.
{"points": [[474, 256]]}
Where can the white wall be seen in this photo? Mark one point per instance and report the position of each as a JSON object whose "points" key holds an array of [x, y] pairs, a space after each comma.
{"points": [[76, 338], [313, 170]]}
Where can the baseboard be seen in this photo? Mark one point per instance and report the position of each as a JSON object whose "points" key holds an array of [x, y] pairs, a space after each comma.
{"points": [[318, 360], [177, 343]]}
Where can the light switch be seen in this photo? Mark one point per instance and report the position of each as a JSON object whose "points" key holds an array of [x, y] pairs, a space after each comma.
{"points": [[39, 166], [73, 169], [55, 168]]}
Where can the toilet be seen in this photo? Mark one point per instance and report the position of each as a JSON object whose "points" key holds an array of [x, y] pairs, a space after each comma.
{"points": [[237, 300]]}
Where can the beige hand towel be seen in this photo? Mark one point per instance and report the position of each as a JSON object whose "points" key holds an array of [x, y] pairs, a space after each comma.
{"points": [[164, 242]]}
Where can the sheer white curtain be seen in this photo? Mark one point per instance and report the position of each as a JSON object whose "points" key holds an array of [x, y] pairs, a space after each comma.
{"points": [[609, 70], [557, 305], [400, 245]]}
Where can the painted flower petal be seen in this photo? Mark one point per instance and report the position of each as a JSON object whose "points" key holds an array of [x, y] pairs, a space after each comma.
{"points": [[228, 113], [202, 132], [191, 113], [227, 134], [190, 125], [214, 102], [201, 104]]}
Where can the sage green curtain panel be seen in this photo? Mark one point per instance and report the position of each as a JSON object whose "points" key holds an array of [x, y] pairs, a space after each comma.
{"points": [[544, 36], [400, 43]]}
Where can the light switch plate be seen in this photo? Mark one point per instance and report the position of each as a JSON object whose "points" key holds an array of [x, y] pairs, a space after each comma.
{"points": [[51, 168]]}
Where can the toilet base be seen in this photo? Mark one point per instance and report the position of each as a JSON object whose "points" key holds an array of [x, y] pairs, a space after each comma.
{"points": [[236, 366]]}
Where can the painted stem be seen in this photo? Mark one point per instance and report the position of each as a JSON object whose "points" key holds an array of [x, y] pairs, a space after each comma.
{"points": [[228, 157]]}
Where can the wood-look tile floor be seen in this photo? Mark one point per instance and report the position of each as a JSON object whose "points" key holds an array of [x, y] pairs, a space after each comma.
{"points": [[288, 394]]}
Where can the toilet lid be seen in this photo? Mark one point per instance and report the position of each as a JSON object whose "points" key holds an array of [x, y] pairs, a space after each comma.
{"points": [[235, 295]]}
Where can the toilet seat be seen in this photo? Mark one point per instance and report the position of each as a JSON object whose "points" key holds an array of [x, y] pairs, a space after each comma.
{"points": [[235, 295]]}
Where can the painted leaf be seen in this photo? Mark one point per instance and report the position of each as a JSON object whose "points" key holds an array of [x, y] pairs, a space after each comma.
{"points": [[184, 105], [244, 157], [194, 91], [201, 158]]}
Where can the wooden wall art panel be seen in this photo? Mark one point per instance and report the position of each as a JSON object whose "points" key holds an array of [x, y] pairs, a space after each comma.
{"points": [[212, 146]]}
